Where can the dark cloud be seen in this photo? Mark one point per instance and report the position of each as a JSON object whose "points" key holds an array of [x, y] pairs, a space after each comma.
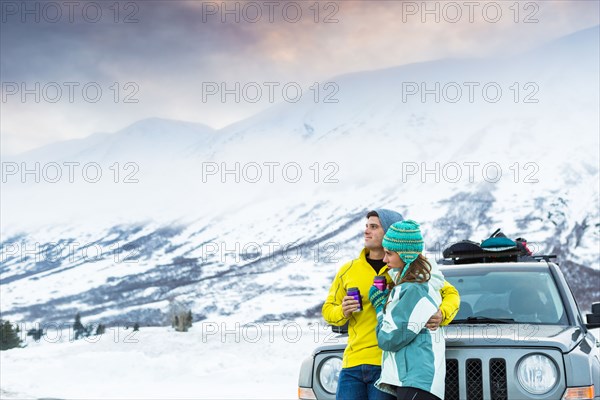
{"points": [[167, 35], [169, 48]]}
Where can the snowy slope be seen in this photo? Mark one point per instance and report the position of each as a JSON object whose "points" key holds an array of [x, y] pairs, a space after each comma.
{"points": [[159, 363], [179, 234]]}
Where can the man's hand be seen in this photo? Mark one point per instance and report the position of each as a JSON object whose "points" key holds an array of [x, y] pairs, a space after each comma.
{"points": [[435, 321], [349, 305]]}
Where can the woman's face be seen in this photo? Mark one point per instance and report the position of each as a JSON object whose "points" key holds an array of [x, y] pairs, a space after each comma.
{"points": [[393, 260]]}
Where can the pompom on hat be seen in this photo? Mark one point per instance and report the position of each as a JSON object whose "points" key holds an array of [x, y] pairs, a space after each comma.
{"points": [[404, 238]]}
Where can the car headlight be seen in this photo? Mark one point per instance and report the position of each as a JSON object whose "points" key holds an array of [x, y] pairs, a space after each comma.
{"points": [[329, 372], [537, 374]]}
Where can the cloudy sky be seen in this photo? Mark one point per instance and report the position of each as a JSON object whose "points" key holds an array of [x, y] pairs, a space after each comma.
{"points": [[71, 69]]}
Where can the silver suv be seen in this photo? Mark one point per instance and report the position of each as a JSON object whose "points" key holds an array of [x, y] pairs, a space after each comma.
{"points": [[519, 334]]}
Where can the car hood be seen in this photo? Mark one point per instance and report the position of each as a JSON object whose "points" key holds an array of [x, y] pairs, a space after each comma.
{"points": [[562, 337]]}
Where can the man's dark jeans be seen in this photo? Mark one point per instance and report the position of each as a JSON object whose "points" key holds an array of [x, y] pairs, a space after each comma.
{"points": [[358, 383]]}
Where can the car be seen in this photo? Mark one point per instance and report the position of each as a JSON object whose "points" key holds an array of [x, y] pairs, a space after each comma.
{"points": [[519, 334]]}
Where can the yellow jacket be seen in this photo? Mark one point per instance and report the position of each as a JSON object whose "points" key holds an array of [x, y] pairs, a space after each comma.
{"points": [[362, 339]]}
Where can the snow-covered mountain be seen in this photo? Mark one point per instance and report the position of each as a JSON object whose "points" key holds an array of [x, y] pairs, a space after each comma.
{"points": [[152, 138], [261, 239]]}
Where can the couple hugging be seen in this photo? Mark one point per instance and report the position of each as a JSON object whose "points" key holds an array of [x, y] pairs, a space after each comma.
{"points": [[395, 349]]}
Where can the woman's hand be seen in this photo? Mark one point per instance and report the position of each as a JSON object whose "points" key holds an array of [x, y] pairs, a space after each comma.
{"points": [[378, 298]]}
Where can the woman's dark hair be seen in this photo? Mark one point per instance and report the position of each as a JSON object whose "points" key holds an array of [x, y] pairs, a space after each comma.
{"points": [[419, 271]]}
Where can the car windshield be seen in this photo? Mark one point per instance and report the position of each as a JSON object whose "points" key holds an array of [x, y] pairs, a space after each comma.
{"points": [[509, 296]]}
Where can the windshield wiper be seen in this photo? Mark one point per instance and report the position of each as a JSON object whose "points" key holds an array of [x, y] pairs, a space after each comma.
{"points": [[483, 320]]}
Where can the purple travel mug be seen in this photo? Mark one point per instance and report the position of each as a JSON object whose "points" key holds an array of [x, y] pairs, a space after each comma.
{"points": [[354, 292], [380, 282]]}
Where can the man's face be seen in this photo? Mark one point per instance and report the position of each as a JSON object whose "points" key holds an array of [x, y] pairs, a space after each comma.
{"points": [[373, 234]]}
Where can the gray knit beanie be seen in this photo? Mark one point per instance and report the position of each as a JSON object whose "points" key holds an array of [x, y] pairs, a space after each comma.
{"points": [[388, 217]]}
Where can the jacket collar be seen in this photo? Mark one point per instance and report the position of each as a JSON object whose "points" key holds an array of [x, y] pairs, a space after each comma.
{"points": [[363, 257]]}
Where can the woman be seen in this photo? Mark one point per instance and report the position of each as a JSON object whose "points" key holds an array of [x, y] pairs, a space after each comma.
{"points": [[413, 362]]}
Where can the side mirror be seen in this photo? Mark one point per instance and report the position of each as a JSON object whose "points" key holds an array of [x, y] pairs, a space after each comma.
{"points": [[344, 328], [593, 319]]}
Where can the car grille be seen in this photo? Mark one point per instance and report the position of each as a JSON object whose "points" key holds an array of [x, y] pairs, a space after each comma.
{"points": [[474, 378], [451, 380]]}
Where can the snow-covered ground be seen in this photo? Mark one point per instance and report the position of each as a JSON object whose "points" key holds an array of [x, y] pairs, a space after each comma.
{"points": [[214, 360]]}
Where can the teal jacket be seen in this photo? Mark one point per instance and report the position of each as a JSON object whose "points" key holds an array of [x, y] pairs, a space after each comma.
{"points": [[413, 356]]}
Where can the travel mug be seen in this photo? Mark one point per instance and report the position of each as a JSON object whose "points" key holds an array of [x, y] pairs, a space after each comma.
{"points": [[380, 282], [354, 292]]}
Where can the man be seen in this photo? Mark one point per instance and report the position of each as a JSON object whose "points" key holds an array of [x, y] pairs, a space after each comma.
{"points": [[361, 365]]}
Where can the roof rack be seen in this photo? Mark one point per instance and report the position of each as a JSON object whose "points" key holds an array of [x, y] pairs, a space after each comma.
{"points": [[495, 257], [545, 257], [497, 248]]}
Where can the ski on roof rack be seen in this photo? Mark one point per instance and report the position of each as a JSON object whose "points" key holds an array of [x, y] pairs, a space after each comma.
{"points": [[496, 248]]}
